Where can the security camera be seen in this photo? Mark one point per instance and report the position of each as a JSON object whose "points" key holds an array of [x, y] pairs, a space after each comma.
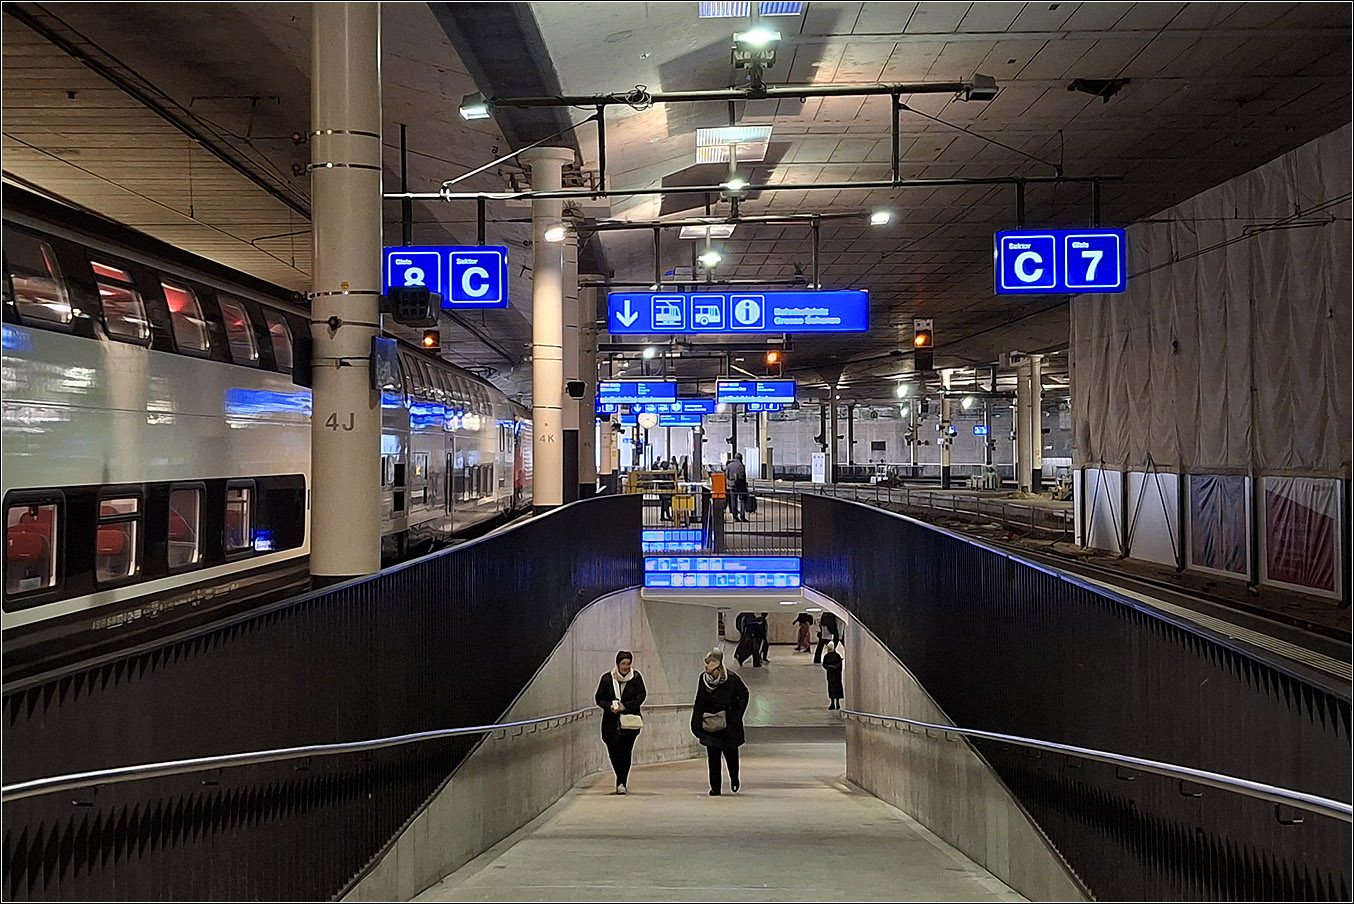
{"points": [[575, 389]]}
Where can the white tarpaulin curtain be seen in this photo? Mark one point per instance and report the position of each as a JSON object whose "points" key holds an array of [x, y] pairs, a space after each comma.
{"points": [[1230, 351]]}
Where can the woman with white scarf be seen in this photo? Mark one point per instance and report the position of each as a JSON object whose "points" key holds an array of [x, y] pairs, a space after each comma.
{"points": [[717, 718], [620, 694]]}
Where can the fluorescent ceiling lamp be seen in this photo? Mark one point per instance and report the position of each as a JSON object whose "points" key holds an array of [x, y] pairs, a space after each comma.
{"points": [[757, 37], [724, 10], [749, 143], [743, 10], [714, 231], [475, 106], [555, 234], [880, 218], [789, 602]]}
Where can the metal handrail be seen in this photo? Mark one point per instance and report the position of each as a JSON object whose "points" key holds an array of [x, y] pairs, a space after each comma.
{"points": [[39, 786], [1297, 799]]}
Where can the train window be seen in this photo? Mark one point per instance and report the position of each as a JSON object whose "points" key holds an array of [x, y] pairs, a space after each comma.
{"points": [[39, 291], [185, 527], [281, 333], [124, 313], [244, 349], [190, 327], [30, 547], [239, 518], [117, 553]]}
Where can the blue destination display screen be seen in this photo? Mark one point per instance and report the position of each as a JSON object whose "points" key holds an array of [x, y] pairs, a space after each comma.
{"points": [[679, 420], [626, 392], [672, 540], [738, 392], [1060, 261], [846, 311], [750, 572]]}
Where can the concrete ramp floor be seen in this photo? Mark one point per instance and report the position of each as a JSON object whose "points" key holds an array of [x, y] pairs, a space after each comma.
{"points": [[798, 831]]}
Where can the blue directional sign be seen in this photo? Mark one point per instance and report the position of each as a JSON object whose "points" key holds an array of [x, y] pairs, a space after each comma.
{"points": [[465, 277], [700, 572], [741, 392], [679, 420], [680, 406], [629, 420], [629, 392], [1060, 261], [845, 311], [753, 407], [979, 430], [607, 408]]}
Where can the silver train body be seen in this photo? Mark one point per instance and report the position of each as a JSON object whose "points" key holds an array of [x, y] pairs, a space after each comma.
{"points": [[156, 438]]}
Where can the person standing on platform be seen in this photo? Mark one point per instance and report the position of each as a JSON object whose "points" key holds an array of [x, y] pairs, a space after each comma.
{"points": [[764, 632], [737, 476], [717, 718], [832, 664], [805, 621], [620, 694], [828, 632]]}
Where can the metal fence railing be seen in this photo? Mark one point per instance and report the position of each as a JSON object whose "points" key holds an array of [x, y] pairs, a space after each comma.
{"points": [[1000, 641], [688, 517], [409, 650]]}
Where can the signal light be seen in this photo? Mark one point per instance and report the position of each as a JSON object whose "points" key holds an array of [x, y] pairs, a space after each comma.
{"points": [[774, 359], [432, 339], [923, 345]]}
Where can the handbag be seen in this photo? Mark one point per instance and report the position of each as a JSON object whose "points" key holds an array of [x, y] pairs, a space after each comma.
{"points": [[629, 721], [713, 722]]}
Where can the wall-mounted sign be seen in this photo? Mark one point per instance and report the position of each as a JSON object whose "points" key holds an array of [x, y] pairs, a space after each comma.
{"points": [[818, 467], [846, 311], [979, 430], [628, 392], [1060, 261], [679, 420], [742, 392], [465, 276], [762, 406]]}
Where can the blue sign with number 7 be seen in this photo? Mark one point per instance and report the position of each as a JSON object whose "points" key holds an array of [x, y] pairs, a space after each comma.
{"points": [[1060, 261]]}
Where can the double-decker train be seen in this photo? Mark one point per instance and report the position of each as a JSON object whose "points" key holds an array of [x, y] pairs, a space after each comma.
{"points": [[157, 438]]}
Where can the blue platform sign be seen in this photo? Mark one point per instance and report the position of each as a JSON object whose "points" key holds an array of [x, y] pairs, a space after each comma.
{"points": [[629, 392], [1060, 261], [699, 572], [629, 420], [979, 430], [465, 276], [753, 407], [679, 420], [607, 408], [680, 406], [846, 311], [742, 392]]}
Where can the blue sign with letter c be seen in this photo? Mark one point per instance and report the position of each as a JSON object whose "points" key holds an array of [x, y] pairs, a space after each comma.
{"points": [[465, 276], [1060, 261]]}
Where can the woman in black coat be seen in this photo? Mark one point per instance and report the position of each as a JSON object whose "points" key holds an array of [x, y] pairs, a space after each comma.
{"points": [[832, 663], [621, 693], [721, 697]]}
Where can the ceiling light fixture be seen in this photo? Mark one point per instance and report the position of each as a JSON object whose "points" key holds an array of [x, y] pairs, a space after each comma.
{"points": [[902, 390], [710, 258], [556, 233], [967, 403], [650, 352], [736, 185], [755, 49], [880, 218], [476, 106], [714, 231]]}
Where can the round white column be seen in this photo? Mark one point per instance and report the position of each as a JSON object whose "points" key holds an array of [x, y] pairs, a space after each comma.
{"points": [[547, 329], [345, 185]]}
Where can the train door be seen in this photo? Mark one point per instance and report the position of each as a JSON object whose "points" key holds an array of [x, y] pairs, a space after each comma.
{"points": [[450, 495]]}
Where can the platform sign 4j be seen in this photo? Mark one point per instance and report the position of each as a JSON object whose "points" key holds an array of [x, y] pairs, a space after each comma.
{"points": [[1060, 261]]}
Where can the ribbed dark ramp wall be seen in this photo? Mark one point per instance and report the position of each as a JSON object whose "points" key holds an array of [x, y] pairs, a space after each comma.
{"points": [[1009, 648], [444, 642]]}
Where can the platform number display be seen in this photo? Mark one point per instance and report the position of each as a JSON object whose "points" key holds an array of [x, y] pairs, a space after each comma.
{"points": [[465, 276], [1060, 261]]}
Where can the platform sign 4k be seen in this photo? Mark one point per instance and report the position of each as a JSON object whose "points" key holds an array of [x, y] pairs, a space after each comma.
{"points": [[465, 276], [1060, 261]]}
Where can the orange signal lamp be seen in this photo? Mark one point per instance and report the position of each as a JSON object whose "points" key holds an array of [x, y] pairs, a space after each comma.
{"points": [[773, 357], [431, 339]]}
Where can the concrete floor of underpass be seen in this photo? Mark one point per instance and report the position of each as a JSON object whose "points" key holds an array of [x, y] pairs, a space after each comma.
{"points": [[797, 831]]}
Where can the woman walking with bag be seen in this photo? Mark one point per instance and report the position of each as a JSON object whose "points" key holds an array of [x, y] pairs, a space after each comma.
{"points": [[832, 664], [621, 693], [717, 718]]}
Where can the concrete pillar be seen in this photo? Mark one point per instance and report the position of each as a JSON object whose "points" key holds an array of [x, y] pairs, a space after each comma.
{"points": [[1030, 424], [851, 434], [571, 412], [587, 408], [547, 329], [345, 188], [912, 419], [945, 430], [832, 452], [763, 444]]}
